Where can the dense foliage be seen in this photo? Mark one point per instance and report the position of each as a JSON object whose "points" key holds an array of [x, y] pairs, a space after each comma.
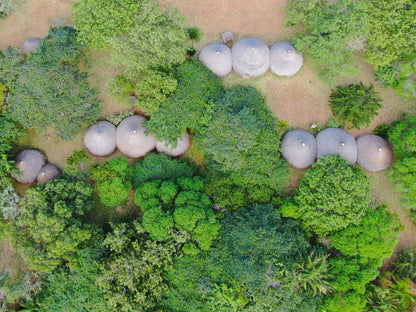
{"points": [[242, 147], [355, 105], [251, 267], [402, 136], [50, 229], [331, 196]]}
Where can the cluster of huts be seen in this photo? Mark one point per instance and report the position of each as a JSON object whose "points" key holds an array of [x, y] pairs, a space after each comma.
{"points": [[371, 152], [131, 138], [251, 57], [33, 167]]}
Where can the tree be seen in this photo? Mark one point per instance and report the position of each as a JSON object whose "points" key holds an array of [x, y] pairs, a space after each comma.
{"points": [[331, 196], [190, 106], [346, 302], [49, 231], [331, 33], [145, 45], [11, 61], [355, 104], [405, 264], [132, 275], [99, 21], [242, 144], [402, 136]]}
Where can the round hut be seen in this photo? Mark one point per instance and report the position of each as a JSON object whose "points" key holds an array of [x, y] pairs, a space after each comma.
{"points": [[100, 139], [251, 57], [47, 173], [182, 146], [335, 141], [299, 148], [217, 58], [284, 61], [31, 45], [131, 138], [374, 153], [29, 162]]}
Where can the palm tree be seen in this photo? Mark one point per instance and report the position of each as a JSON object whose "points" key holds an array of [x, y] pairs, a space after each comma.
{"points": [[314, 274]]}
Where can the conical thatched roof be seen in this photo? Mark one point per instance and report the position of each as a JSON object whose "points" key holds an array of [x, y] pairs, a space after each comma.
{"points": [[131, 138], [30, 45], [100, 139], [335, 141], [29, 162], [374, 153], [217, 58], [299, 148], [47, 173], [251, 57], [284, 61], [181, 147]]}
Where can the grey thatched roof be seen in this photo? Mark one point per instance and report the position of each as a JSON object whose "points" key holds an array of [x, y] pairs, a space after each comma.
{"points": [[31, 44], [131, 138], [335, 141], [284, 61], [251, 57], [182, 146], [217, 58], [100, 139], [374, 153], [29, 162], [47, 173], [299, 148]]}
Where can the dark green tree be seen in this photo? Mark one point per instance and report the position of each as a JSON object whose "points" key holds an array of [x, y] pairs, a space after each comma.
{"points": [[11, 61], [331, 196], [355, 105], [50, 230], [405, 264], [402, 135]]}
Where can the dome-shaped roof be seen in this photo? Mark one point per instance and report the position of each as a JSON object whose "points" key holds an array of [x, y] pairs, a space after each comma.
{"points": [[299, 148], [100, 139], [131, 138], [374, 153], [251, 57], [335, 141], [182, 146], [284, 61], [31, 45], [217, 58], [29, 162], [47, 173]]}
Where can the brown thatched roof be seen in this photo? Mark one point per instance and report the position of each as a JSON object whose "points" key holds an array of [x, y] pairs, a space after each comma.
{"points": [[31, 45], [131, 138], [29, 162], [335, 141], [284, 61], [374, 153], [299, 148], [251, 57], [47, 173], [217, 58], [100, 139], [182, 146]]}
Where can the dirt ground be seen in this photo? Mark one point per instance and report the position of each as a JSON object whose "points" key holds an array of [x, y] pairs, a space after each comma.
{"points": [[299, 100]]}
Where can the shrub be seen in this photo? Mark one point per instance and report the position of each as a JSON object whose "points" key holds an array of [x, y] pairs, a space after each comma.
{"points": [[401, 135], [7, 7], [195, 34], [382, 130], [355, 105]]}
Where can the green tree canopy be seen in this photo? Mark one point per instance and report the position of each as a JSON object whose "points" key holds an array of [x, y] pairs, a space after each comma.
{"points": [[355, 105], [50, 229], [402, 135], [331, 196]]}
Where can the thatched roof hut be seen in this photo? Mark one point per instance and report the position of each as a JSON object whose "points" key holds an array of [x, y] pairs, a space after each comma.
{"points": [[29, 162], [31, 45], [100, 139], [131, 138], [335, 141], [217, 58], [182, 146], [299, 148], [374, 153], [251, 57], [47, 173], [284, 61]]}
